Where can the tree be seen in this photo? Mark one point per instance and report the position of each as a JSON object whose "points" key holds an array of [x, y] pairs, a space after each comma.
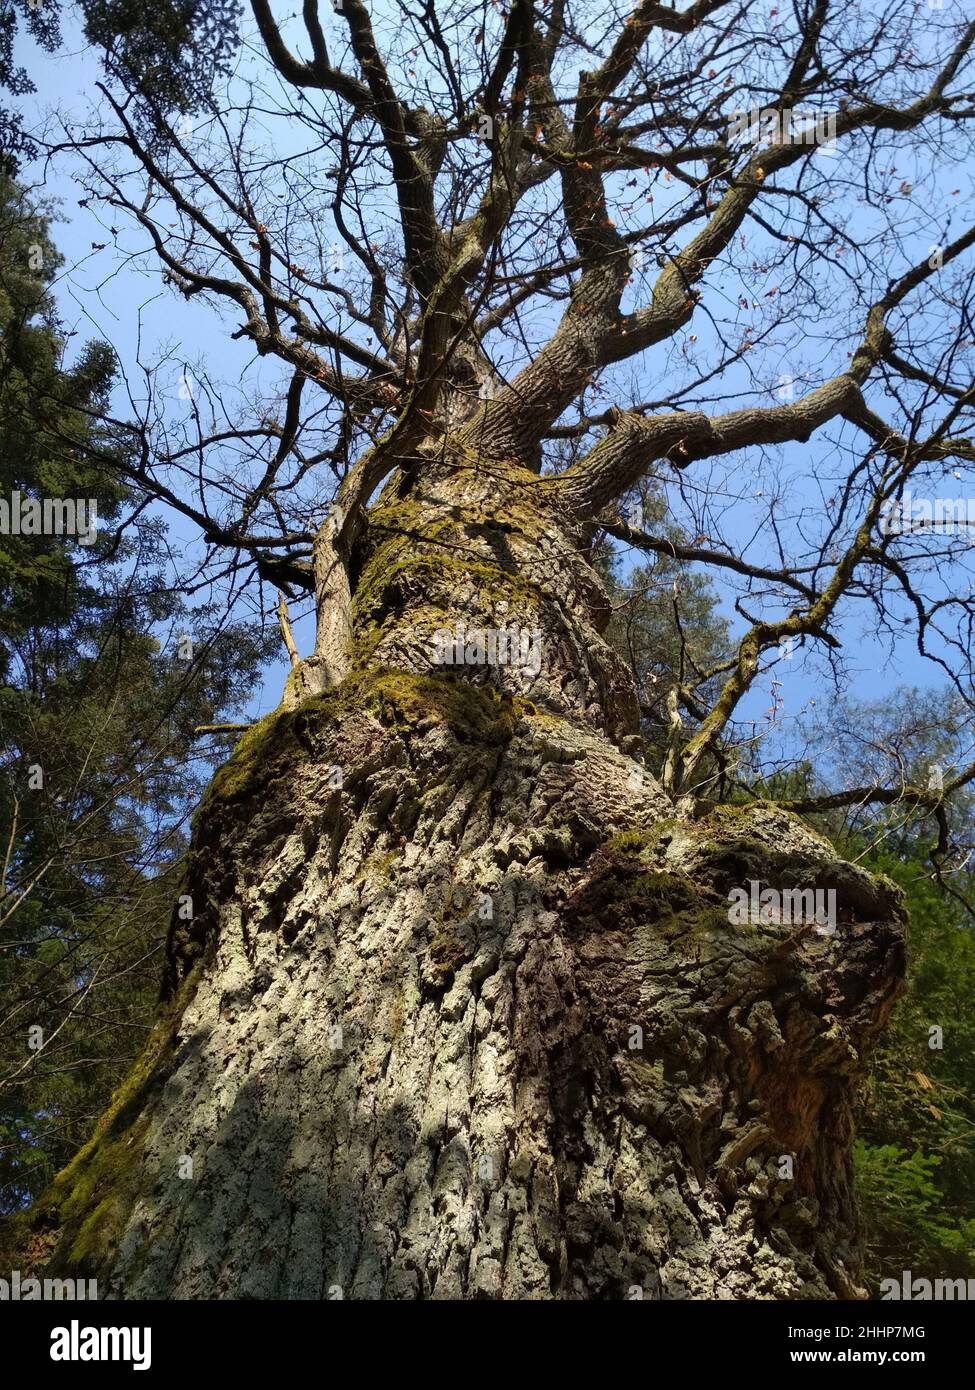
{"points": [[668, 628], [468, 1004], [913, 1155], [41, 22], [176, 50], [98, 768]]}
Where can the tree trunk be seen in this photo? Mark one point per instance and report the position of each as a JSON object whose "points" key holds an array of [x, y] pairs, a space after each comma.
{"points": [[460, 1011]]}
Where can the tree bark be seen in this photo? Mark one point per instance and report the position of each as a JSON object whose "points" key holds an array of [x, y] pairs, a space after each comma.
{"points": [[460, 1012]]}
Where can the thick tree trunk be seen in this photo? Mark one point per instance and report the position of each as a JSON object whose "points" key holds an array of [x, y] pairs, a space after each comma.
{"points": [[460, 1011]]}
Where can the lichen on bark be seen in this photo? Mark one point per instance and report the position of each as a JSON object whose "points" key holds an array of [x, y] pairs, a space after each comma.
{"points": [[471, 1020]]}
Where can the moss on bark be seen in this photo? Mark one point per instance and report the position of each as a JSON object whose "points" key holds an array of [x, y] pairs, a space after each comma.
{"points": [[89, 1201], [474, 714]]}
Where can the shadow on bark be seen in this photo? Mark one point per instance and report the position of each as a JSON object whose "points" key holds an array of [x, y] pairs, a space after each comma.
{"points": [[477, 1024]]}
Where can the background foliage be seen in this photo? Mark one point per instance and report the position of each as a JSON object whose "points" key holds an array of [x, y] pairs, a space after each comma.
{"points": [[99, 766]]}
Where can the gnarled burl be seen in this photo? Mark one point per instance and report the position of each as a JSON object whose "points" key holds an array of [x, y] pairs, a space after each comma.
{"points": [[469, 1018]]}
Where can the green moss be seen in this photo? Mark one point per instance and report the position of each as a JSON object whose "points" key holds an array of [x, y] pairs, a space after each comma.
{"points": [[421, 553], [98, 1233], [667, 890], [397, 1015], [741, 847], [435, 573], [729, 810], [622, 894], [641, 843], [254, 751], [629, 842], [720, 818], [671, 903], [698, 919], [446, 955], [730, 855], [474, 714], [89, 1200], [379, 865]]}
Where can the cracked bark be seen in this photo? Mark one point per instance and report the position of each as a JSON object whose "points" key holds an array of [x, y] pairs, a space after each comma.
{"points": [[559, 1071]]}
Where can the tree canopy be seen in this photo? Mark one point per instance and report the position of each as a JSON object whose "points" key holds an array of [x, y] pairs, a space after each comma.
{"points": [[473, 229], [703, 272]]}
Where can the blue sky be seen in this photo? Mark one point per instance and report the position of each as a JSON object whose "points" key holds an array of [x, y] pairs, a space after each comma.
{"points": [[108, 293]]}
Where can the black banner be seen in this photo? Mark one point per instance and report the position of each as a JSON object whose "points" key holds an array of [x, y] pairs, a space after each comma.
{"points": [[180, 1339]]}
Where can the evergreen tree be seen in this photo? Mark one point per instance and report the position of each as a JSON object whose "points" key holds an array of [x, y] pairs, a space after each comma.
{"points": [[104, 676]]}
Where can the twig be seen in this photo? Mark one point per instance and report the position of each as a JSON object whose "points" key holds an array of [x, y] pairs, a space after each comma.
{"points": [[285, 625], [220, 728]]}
